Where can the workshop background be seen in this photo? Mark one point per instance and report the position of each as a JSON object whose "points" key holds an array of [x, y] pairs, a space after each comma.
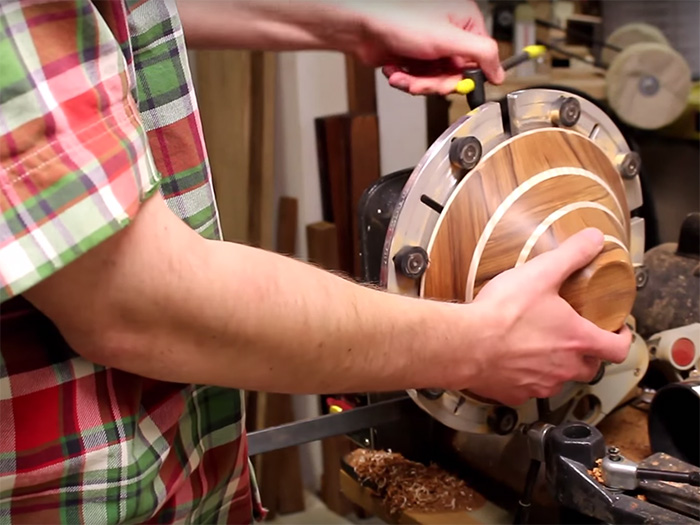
{"points": [[289, 133]]}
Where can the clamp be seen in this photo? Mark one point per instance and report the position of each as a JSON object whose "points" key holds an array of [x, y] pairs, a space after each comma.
{"points": [[619, 472], [472, 85]]}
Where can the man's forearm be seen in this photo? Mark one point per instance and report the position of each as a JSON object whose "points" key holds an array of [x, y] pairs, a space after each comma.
{"points": [[274, 25], [161, 302]]}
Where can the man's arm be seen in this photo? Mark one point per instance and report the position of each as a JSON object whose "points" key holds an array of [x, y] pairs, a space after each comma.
{"points": [[422, 46], [236, 316]]}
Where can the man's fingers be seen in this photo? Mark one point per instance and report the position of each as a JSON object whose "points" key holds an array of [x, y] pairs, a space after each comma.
{"points": [[589, 369], [604, 345], [573, 254], [438, 84], [482, 49]]}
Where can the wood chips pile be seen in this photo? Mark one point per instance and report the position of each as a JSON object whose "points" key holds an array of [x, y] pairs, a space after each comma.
{"points": [[403, 484]]}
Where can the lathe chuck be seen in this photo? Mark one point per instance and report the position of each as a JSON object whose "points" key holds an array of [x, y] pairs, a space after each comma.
{"points": [[501, 186], [523, 199]]}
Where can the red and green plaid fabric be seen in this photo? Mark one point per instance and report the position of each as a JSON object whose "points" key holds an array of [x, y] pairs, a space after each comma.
{"points": [[97, 112]]}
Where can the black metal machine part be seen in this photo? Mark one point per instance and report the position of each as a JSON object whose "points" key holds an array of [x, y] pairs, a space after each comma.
{"points": [[572, 451], [292, 434]]}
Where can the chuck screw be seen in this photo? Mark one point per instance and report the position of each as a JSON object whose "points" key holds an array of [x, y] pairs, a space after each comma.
{"points": [[465, 152], [411, 261], [569, 112]]}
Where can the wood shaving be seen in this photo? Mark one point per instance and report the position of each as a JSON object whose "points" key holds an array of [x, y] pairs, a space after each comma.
{"points": [[403, 484], [597, 471]]}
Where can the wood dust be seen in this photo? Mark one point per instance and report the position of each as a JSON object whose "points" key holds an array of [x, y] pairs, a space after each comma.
{"points": [[407, 485]]}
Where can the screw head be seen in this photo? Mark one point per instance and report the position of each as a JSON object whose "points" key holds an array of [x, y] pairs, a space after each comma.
{"points": [[465, 152], [641, 276], [569, 112], [432, 393], [648, 85], [631, 165], [502, 420], [411, 261]]}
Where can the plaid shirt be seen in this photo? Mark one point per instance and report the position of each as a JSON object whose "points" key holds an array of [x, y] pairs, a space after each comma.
{"points": [[97, 112]]}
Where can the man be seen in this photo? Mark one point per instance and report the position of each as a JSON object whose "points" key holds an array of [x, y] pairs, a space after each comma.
{"points": [[119, 302]]}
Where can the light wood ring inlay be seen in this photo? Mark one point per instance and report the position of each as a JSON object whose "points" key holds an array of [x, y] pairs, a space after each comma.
{"points": [[525, 197]]}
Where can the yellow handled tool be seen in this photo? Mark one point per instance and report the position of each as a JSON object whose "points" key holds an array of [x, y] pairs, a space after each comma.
{"points": [[474, 78]]}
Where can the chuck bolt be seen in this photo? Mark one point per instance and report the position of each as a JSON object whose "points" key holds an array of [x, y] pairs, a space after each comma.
{"points": [[569, 112], [465, 152], [502, 420], [631, 165], [432, 393], [411, 261]]}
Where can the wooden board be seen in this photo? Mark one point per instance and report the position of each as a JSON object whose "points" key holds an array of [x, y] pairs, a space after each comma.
{"points": [[362, 94], [333, 146], [364, 170], [287, 225], [322, 242], [235, 92], [365, 498], [262, 150], [224, 81], [348, 152], [524, 198]]}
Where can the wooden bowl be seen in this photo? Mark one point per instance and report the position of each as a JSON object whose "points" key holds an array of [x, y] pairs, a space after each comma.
{"points": [[525, 197]]}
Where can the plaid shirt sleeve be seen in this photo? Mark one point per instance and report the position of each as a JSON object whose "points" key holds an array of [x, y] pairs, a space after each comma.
{"points": [[74, 157]]}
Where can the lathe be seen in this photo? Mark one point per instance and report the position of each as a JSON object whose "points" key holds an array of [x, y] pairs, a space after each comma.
{"points": [[504, 183]]}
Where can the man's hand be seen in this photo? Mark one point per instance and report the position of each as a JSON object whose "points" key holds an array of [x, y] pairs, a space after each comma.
{"points": [[424, 46], [534, 341]]}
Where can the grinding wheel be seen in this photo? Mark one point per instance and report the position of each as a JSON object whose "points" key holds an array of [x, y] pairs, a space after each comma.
{"points": [[648, 85], [630, 34], [500, 186]]}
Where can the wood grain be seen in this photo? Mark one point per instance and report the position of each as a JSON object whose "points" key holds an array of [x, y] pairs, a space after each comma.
{"points": [[322, 244], [235, 92], [524, 198], [262, 150], [224, 80], [348, 152], [362, 93], [333, 143], [287, 225], [364, 170], [365, 498]]}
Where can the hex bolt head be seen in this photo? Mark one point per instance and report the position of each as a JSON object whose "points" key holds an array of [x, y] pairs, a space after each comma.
{"points": [[649, 85], [614, 454], [411, 261], [502, 420], [569, 112], [431, 393], [631, 165], [641, 276], [465, 152]]}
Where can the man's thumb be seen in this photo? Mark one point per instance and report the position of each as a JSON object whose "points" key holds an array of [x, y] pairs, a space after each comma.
{"points": [[573, 254]]}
